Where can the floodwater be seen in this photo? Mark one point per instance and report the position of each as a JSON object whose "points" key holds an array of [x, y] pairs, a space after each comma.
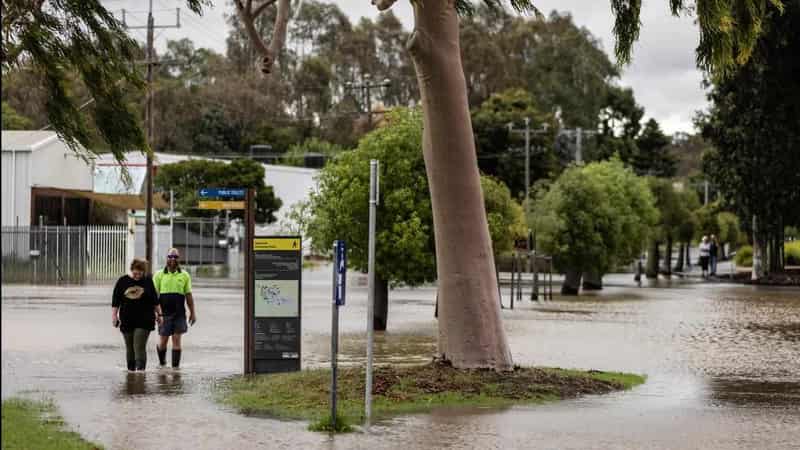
{"points": [[723, 367]]}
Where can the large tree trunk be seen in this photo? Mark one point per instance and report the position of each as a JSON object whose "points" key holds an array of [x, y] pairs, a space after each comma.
{"points": [[380, 314], [651, 271], [681, 257], [572, 282], [592, 280], [471, 331], [668, 258]]}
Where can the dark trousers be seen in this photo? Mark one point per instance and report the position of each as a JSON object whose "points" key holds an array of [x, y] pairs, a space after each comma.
{"points": [[136, 348]]}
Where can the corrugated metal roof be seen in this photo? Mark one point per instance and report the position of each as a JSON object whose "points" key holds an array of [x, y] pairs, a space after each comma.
{"points": [[26, 140]]}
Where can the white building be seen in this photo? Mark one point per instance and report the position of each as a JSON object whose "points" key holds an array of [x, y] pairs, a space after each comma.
{"points": [[37, 168]]}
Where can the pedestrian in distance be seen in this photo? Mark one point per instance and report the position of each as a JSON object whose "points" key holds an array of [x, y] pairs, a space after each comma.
{"points": [[712, 254], [705, 252], [135, 310], [174, 287]]}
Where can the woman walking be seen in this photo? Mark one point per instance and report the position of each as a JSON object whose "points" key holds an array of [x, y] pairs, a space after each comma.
{"points": [[135, 310], [705, 252]]}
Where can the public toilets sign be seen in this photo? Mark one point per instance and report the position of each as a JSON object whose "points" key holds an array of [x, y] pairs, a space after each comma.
{"points": [[233, 198], [237, 193], [276, 307]]}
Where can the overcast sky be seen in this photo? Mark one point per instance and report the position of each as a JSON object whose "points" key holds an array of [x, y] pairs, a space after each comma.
{"points": [[662, 74]]}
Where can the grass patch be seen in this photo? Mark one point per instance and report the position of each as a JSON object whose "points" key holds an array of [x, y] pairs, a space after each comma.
{"points": [[402, 390], [36, 425]]}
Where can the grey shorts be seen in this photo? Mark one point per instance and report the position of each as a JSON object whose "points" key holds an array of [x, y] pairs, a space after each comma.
{"points": [[173, 325]]}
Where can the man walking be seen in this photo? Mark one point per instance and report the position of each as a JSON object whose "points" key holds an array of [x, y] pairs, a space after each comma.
{"points": [[174, 287]]}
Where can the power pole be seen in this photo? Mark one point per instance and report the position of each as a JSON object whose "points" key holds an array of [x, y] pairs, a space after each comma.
{"points": [[151, 63], [366, 91], [527, 131], [578, 133]]}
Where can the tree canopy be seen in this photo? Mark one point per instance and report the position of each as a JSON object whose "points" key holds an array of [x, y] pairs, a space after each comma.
{"points": [[405, 243], [594, 217], [186, 178]]}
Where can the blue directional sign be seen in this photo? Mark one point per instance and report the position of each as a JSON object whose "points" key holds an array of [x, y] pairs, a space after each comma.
{"points": [[222, 192], [340, 264]]}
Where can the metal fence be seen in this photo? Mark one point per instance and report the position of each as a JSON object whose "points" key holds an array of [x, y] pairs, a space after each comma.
{"points": [[106, 252], [198, 240], [68, 255]]}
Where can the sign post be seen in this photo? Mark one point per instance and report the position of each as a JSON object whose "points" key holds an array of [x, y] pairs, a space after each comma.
{"points": [[339, 277], [373, 204]]}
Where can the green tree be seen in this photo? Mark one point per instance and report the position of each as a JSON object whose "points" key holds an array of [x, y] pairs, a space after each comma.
{"points": [[674, 213], [592, 219], [55, 39], [12, 120], [652, 156], [186, 178], [404, 230], [313, 147], [505, 216], [502, 154], [754, 126]]}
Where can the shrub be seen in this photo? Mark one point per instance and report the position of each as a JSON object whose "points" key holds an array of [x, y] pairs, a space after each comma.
{"points": [[744, 256], [791, 253]]}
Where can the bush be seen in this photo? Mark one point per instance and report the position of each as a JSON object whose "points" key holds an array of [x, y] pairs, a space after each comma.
{"points": [[744, 256], [791, 253]]}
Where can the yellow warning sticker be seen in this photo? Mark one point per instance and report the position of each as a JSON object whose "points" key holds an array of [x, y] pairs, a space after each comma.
{"points": [[288, 244]]}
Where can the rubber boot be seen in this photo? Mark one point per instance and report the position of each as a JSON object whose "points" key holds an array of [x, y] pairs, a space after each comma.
{"points": [[176, 358], [140, 364], [162, 356], [131, 365]]}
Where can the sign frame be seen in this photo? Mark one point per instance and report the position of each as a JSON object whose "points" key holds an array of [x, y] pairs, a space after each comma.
{"points": [[281, 330]]}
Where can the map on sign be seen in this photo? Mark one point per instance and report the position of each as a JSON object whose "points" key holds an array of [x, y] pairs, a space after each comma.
{"points": [[277, 298]]}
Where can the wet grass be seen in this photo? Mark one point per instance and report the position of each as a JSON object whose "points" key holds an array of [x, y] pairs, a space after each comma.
{"points": [[413, 389], [36, 425]]}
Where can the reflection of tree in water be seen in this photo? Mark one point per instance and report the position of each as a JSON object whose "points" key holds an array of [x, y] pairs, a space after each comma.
{"points": [[741, 392]]}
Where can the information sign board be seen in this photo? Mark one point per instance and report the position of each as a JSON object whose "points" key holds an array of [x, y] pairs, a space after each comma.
{"points": [[277, 270]]}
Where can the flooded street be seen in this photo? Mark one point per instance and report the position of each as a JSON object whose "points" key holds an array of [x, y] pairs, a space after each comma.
{"points": [[723, 367]]}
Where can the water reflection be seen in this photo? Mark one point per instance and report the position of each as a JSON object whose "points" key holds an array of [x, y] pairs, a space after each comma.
{"points": [[722, 361]]}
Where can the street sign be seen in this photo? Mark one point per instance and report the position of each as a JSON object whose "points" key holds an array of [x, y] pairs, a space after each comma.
{"points": [[222, 193], [220, 204], [340, 266], [277, 268]]}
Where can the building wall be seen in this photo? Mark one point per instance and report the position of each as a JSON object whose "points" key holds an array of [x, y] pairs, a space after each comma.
{"points": [[16, 188], [55, 165]]}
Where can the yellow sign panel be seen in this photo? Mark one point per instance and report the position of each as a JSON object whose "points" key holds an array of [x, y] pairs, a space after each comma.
{"points": [[290, 244], [219, 204]]}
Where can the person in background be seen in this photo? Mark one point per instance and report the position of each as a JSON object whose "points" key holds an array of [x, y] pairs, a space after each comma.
{"points": [[174, 287], [135, 310], [705, 251], [712, 254]]}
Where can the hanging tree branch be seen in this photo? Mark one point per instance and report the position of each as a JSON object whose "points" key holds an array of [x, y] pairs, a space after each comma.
{"points": [[248, 14]]}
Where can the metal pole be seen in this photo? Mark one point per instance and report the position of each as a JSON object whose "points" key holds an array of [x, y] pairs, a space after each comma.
{"points": [[578, 145], [705, 185], [373, 203], [527, 179], [249, 285], [148, 223], [334, 343], [171, 218]]}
